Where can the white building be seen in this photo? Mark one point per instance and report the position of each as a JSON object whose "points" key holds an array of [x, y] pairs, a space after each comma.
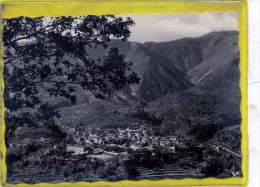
{"points": [[77, 149]]}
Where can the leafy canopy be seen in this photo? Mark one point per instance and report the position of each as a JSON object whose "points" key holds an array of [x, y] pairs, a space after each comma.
{"points": [[50, 55]]}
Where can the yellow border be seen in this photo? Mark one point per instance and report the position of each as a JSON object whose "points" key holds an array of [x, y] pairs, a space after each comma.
{"points": [[81, 7]]}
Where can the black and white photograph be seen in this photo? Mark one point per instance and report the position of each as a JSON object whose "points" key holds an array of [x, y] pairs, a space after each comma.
{"points": [[122, 97]]}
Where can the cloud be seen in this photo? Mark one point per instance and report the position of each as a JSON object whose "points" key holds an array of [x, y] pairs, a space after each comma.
{"points": [[166, 27]]}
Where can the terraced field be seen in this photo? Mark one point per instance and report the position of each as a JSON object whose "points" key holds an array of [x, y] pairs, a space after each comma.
{"points": [[167, 172]]}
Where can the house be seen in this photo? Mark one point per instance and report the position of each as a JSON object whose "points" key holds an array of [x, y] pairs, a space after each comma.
{"points": [[172, 148], [76, 149], [133, 147]]}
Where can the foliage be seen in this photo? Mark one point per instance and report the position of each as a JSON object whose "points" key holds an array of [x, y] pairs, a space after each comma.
{"points": [[214, 167], [49, 56]]}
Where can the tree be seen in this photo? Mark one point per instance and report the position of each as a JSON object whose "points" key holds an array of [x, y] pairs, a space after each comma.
{"points": [[50, 55]]}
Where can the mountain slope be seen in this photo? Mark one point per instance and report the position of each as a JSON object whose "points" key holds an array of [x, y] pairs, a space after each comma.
{"points": [[218, 50], [158, 74], [219, 72], [216, 82], [171, 67], [206, 68]]}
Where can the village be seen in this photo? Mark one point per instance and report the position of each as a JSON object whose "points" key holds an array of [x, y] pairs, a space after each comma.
{"points": [[117, 141], [134, 152]]}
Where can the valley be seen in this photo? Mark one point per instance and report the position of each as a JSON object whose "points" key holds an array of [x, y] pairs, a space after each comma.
{"points": [[181, 120]]}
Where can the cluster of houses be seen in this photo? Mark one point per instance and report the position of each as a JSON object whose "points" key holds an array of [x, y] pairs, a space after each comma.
{"points": [[118, 140], [109, 142], [29, 135]]}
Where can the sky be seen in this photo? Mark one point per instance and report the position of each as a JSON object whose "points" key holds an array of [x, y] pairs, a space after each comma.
{"points": [[167, 27]]}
